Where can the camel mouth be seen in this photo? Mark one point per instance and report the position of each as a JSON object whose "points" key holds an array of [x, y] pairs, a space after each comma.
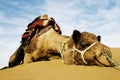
{"points": [[107, 63], [105, 60]]}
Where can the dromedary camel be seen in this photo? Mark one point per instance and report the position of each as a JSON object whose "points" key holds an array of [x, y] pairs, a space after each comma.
{"points": [[81, 48]]}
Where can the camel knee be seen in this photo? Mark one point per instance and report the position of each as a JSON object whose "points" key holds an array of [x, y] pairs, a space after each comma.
{"points": [[28, 58], [12, 58], [12, 61]]}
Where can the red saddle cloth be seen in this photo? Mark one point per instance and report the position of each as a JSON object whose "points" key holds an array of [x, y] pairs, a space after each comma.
{"points": [[26, 35], [38, 22], [32, 25]]}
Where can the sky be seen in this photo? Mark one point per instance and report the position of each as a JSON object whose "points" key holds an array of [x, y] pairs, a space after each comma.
{"points": [[101, 17]]}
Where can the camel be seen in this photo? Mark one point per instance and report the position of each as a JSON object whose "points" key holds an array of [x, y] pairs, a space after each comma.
{"points": [[80, 48]]}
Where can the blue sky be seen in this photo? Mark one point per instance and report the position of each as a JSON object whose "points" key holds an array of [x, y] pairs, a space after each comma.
{"points": [[101, 17]]}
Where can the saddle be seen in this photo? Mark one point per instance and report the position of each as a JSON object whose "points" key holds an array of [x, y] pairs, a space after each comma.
{"points": [[29, 34], [38, 32]]}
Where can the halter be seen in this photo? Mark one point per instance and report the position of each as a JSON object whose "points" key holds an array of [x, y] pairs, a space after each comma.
{"points": [[82, 52], [104, 52]]}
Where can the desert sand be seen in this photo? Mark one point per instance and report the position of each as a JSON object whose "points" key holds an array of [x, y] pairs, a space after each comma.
{"points": [[56, 70]]}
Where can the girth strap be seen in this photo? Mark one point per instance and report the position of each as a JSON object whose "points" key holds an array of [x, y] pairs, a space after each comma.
{"points": [[44, 30]]}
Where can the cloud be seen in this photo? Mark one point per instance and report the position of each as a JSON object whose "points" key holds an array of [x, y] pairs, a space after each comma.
{"points": [[89, 15]]}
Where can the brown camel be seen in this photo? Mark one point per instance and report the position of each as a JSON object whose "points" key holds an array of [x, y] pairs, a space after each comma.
{"points": [[81, 48]]}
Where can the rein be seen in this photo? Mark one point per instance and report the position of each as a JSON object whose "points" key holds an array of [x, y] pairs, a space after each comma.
{"points": [[61, 50], [110, 59]]}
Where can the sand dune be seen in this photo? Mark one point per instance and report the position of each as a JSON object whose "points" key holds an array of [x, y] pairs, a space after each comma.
{"points": [[56, 70]]}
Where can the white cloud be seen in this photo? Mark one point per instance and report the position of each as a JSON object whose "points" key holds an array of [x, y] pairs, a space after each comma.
{"points": [[13, 20]]}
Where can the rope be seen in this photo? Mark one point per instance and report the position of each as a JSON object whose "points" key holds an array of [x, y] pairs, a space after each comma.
{"points": [[82, 52], [110, 59], [61, 50]]}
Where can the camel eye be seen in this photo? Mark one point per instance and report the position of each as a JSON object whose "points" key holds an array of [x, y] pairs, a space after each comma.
{"points": [[85, 45]]}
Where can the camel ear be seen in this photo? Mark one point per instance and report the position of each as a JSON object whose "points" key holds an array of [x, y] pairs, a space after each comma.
{"points": [[76, 36], [99, 38]]}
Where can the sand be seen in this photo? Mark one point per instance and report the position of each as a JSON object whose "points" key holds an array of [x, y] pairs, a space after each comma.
{"points": [[56, 70]]}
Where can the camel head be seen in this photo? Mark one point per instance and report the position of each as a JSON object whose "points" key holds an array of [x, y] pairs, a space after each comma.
{"points": [[88, 50]]}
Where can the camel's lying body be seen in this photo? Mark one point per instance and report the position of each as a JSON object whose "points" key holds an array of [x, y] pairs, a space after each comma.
{"points": [[72, 48], [41, 46]]}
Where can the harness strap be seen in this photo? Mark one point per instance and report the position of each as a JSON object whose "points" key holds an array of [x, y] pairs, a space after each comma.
{"points": [[82, 52], [110, 59], [44, 30], [61, 50]]}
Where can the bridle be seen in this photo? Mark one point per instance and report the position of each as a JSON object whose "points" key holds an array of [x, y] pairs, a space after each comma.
{"points": [[114, 63], [82, 52], [62, 48]]}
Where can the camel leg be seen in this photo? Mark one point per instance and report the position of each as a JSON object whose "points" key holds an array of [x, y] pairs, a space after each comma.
{"points": [[68, 59], [28, 58], [16, 57]]}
